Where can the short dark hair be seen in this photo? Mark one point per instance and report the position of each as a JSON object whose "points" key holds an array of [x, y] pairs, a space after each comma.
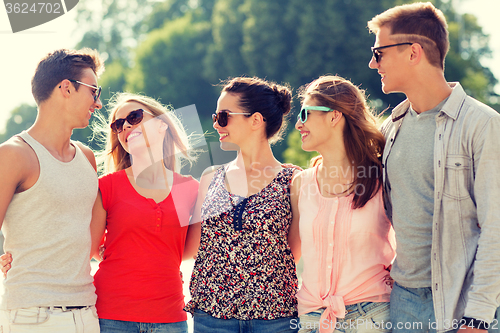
{"points": [[63, 64], [271, 100], [419, 22]]}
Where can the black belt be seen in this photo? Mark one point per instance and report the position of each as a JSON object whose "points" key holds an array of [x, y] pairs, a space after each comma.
{"points": [[71, 307]]}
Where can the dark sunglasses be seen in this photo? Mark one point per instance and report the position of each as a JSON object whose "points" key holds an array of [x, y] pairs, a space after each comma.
{"points": [[221, 117], [97, 92], [133, 118], [377, 54], [303, 113]]}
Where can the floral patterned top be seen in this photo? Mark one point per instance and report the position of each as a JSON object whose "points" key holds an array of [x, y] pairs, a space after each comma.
{"points": [[244, 268]]}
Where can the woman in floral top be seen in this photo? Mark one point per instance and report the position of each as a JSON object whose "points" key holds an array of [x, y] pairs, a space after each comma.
{"points": [[244, 277]]}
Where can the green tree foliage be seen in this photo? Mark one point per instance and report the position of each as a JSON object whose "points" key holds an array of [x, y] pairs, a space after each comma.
{"points": [[468, 46], [113, 80], [224, 56], [170, 10], [179, 50], [21, 118], [114, 28], [169, 63]]}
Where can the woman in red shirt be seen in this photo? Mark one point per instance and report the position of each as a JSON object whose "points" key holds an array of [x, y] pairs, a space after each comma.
{"points": [[145, 207]]}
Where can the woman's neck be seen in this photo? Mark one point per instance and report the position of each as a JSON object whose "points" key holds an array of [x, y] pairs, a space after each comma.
{"points": [[252, 170], [257, 157], [335, 176], [155, 176]]}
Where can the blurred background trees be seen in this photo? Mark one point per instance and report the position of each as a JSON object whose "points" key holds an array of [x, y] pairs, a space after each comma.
{"points": [[179, 51]]}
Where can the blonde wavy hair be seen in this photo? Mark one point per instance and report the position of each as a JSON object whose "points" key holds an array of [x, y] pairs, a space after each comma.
{"points": [[177, 144]]}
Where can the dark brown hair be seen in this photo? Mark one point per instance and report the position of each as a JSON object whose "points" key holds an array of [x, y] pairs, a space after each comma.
{"points": [[420, 23], [63, 64], [363, 142], [271, 100]]}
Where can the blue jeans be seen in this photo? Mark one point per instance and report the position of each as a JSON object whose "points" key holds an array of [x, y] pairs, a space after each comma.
{"points": [[412, 310], [360, 317], [205, 323], [118, 326]]}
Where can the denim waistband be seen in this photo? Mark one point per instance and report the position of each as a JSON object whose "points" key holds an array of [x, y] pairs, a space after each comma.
{"points": [[355, 310], [352, 310]]}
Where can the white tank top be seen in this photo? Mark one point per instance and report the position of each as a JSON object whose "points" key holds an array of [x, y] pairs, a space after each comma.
{"points": [[47, 230]]}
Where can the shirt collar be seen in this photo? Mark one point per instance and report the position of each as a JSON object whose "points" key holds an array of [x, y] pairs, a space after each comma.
{"points": [[451, 108], [454, 103]]}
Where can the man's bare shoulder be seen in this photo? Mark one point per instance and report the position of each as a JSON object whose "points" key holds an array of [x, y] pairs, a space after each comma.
{"points": [[15, 152], [88, 153], [19, 167]]}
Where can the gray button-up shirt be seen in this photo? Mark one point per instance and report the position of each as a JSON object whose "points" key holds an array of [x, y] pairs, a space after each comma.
{"points": [[465, 258]]}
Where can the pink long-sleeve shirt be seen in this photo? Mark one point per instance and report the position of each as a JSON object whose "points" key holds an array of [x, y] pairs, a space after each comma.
{"points": [[346, 252]]}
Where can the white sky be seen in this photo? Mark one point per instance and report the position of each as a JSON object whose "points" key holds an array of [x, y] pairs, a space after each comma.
{"points": [[20, 52]]}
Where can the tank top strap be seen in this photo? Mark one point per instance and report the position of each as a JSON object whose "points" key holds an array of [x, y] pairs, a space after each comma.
{"points": [[44, 155], [39, 149]]}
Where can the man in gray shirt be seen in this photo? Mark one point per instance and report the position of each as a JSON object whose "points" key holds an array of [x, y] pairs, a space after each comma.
{"points": [[48, 186], [441, 180]]}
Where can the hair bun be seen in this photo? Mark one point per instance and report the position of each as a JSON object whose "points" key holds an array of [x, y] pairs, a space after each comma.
{"points": [[283, 98]]}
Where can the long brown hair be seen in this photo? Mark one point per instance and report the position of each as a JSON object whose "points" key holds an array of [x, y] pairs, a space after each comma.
{"points": [[363, 142], [176, 144]]}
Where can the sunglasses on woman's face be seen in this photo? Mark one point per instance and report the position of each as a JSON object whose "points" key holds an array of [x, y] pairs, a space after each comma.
{"points": [[221, 117], [133, 118], [303, 113]]}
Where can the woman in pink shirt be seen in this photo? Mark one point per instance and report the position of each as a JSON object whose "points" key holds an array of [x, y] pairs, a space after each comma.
{"points": [[347, 242]]}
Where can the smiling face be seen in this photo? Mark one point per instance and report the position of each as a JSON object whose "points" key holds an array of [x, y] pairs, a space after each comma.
{"points": [[392, 62], [236, 129], [316, 130], [149, 132], [84, 104]]}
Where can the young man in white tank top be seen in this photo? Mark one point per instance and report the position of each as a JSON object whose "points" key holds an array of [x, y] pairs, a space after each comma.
{"points": [[48, 186]]}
